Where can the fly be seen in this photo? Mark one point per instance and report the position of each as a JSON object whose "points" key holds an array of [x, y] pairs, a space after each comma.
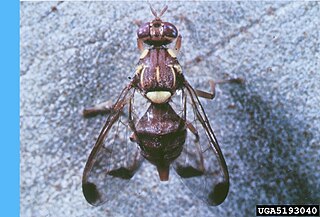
{"points": [[166, 128]]}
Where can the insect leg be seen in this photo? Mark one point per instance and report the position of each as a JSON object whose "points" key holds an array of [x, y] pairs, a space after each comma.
{"points": [[231, 80], [193, 130], [108, 107], [140, 45], [207, 95], [191, 168], [133, 137], [137, 22], [199, 152], [134, 166], [213, 83], [102, 108], [178, 44]]}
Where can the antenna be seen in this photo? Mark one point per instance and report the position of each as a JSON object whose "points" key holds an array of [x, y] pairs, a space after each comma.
{"points": [[155, 13], [163, 10]]}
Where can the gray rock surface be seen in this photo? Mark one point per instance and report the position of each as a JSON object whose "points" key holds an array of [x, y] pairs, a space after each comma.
{"points": [[82, 53]]}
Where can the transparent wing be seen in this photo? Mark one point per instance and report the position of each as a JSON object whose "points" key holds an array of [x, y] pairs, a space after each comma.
{"points": [[201, 165], [114, 158]]}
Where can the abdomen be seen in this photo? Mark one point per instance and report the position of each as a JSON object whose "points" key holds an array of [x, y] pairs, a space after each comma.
{"points": [[161, 134]]}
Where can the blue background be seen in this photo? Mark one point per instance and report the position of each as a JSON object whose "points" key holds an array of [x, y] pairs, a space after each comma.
{"points": [[9, 109]]}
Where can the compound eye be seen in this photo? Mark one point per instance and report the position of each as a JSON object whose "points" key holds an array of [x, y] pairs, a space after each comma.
{"points": [[144, 30], [169, 30]]}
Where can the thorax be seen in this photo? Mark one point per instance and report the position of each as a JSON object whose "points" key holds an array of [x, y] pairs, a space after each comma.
{"points": [[158, 73]]}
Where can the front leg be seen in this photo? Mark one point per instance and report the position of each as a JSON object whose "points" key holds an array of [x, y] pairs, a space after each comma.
{"points": [[178, 44], [140, 45]]}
